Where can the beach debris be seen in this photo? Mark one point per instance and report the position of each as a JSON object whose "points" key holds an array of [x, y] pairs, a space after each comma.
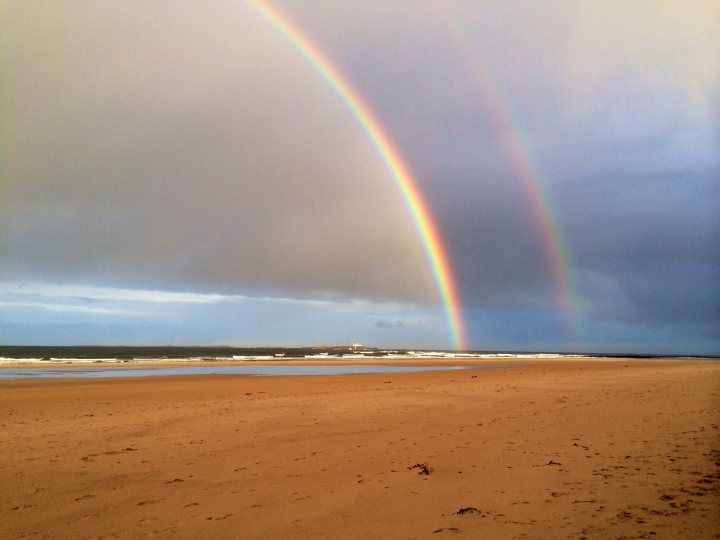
{"points": [[471, 510], [467, 510], [551, 462], [90, 457], [453, 529], [423, 468]]}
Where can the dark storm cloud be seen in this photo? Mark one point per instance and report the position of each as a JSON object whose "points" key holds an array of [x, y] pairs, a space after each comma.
{"points": [[615, 111], [654, 236]]}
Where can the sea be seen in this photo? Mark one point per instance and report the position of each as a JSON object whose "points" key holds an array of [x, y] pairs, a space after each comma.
{"points": [[94, 362], [120, 355]]}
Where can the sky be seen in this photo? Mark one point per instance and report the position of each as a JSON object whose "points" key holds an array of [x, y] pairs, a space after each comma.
{"points": [[178, 172]]}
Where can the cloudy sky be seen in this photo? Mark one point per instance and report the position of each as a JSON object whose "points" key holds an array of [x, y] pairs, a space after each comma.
{"points": [[176, 172]]}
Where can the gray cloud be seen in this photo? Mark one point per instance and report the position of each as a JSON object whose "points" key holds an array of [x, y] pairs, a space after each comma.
{"points": [[614, 110], [193, 147], [383, 323]]}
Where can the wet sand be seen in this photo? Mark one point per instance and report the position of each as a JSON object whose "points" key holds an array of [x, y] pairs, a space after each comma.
{"points": [[566, 449]]}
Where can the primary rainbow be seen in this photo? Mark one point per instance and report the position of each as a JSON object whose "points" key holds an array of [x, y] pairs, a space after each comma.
{"points": [[400, 173]]}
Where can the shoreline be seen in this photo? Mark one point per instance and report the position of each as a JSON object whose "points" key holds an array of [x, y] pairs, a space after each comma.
{"points": [[408, 360], [563, 449]]}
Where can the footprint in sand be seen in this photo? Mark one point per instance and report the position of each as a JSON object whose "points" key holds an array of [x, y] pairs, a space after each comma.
{"points": [[218, 518]]}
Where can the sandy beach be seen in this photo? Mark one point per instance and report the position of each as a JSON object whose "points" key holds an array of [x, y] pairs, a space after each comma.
{"points": [[557, 449]]}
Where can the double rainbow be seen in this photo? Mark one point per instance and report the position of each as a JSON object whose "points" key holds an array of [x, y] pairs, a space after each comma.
{"points": [[399, 171]]}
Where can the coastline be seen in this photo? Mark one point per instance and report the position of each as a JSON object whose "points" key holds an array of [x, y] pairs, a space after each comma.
{"points": [[559, 449], [419, 359]]}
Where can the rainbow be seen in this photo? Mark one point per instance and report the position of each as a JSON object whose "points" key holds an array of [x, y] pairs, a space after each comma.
{"points": [[520, 156], [399, 171]]}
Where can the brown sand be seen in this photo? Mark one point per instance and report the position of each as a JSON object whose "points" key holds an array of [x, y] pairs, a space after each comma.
{"points": [[572, 449]]}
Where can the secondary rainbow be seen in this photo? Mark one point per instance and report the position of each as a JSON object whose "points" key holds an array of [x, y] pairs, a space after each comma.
{"points": [[399, 171], [527, 170]]}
